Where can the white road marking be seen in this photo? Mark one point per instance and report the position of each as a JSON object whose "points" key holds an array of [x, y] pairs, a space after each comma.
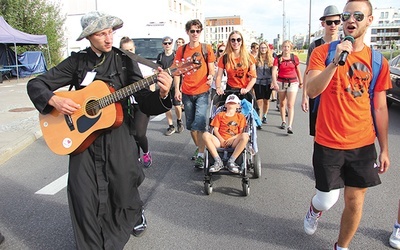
{"points": [[158, 118], [54, 187]]}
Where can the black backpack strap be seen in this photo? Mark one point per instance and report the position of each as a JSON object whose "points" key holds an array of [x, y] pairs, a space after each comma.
{"points": [[204, 51], [81, 57], [225, 59], [318, 42], [183, 50]]}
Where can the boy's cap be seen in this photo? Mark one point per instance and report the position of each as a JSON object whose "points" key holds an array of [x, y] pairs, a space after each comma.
{"points": [[232, 98]]}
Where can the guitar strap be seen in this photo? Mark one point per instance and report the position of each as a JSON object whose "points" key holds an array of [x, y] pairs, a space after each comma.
{"points": [[141, 60]]}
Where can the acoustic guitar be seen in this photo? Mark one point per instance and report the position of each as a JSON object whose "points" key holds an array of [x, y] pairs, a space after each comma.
{"points": [[100, 110]]}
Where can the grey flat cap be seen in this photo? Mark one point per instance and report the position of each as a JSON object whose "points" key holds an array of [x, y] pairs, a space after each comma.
{"points": [[95, 21], [331, 10]]}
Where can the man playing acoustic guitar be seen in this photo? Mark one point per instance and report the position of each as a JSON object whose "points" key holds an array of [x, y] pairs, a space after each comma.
{"points": [[103, 181]]}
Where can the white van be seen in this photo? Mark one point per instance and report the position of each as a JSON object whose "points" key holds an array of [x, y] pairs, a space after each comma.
{"points": [[148, 48]]}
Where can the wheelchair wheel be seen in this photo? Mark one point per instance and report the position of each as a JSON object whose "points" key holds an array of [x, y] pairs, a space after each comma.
{"points": [[246, 187], [208, 187], [257, 166]]}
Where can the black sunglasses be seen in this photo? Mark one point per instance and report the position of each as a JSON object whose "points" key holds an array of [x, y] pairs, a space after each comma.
{"points": [[358, 16], [197, 31], [220, 50], [169, 43], [330, 22], [236, 40]]}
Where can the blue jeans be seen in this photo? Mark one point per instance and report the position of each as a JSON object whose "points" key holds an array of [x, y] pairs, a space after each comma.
{"points": [[196, 111]]}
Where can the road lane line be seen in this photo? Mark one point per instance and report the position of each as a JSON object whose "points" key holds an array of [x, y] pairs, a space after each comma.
{"points": [[158, 118], [54, 187]]}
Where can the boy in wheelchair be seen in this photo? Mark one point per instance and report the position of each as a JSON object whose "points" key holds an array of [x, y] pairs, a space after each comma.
{"points": [[228, 126]]}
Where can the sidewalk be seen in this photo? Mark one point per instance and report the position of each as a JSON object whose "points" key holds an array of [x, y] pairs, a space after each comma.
{"points": [[19, 120]]}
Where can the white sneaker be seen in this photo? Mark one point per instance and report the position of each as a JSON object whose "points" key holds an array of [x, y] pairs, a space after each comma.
{"points": [[394, 239], [311, 223]]}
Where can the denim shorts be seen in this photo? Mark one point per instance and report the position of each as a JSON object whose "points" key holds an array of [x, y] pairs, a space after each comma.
{"points": [[196, 111]]}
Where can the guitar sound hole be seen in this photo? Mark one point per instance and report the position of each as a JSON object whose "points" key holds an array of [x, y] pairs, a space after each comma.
{"points": [[92, 108]]}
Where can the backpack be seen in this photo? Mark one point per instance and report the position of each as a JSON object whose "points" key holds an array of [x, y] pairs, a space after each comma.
{"points": [[204, 52], [291, 59], [160, 57], [376, 60]]}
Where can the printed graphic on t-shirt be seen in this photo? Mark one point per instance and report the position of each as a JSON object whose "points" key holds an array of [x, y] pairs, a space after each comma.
{"points": [[232, 128], [239, 71], [359, 77]]}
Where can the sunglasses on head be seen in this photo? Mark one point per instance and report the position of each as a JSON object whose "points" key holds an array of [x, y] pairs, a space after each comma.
{"points": [[358, 16], [167, 43], [236, 40], [330, 22], [197, 31]]}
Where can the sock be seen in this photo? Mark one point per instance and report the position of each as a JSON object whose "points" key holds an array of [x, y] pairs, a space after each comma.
{"points": [[396, 225], [200, 155], [218, 159], [231, 159], [314, 214], [171, 126], [340, 248]]}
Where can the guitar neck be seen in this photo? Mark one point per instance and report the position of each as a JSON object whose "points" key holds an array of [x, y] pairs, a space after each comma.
{"points": [[129, 90]]}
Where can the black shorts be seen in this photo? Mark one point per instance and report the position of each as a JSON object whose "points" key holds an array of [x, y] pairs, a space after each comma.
{"points": [[335, 168], [174, 101], [262, 91]]}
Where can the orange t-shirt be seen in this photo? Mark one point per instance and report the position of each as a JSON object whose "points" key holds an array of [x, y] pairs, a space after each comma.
{"points": [[344, 119], [229, 126], [238, 76], [196, 82]]}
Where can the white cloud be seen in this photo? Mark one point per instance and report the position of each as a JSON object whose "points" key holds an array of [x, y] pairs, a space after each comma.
{"points": [[266, 16]]}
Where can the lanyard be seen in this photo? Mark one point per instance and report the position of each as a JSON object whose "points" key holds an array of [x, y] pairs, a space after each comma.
{"points": [[100, 63]]}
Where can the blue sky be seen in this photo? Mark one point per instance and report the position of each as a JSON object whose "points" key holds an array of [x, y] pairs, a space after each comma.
{"points": [[265, 16]]}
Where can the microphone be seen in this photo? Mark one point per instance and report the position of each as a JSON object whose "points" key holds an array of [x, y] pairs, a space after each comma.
{"points": [[344, 54]]}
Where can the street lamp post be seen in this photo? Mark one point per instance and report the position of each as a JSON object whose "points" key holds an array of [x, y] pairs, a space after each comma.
{"points": [[283, 21], [309, 25]]}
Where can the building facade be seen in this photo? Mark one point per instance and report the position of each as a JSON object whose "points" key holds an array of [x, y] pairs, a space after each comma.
{"points": [[385, 30], [217, 30]]}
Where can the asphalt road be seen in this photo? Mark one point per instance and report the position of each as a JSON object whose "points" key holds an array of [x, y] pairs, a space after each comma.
{"points": [[34, 212]]}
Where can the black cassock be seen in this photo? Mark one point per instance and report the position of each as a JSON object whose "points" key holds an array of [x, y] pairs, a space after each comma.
{"points": [[103, 180]]}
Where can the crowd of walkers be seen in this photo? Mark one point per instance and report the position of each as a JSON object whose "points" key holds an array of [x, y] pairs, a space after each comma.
{"points": [[103, 193]]}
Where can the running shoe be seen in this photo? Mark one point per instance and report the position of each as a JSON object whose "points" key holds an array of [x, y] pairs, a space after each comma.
{"points": [[179, 126], [195, 154], [140, 228], [394, 239], [199, 162], [170, 130], [311, 222], [233, 167], [147, 159], [216, 167]]}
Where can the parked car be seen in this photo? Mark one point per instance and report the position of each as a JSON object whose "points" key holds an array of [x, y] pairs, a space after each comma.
{"points": [[393, 94]]}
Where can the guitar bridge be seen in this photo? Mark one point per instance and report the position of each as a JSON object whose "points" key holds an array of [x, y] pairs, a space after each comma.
{"points": [[69, 122]]}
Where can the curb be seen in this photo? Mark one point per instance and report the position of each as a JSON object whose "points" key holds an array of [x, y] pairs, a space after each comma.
{"points": [[19, 144]]}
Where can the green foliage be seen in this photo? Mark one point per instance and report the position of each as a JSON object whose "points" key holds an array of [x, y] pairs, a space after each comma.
{"points": [[394, 53], [38, 17]]}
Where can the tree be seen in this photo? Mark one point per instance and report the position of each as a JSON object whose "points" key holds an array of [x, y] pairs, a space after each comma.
{"points": [[37, 17]]}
